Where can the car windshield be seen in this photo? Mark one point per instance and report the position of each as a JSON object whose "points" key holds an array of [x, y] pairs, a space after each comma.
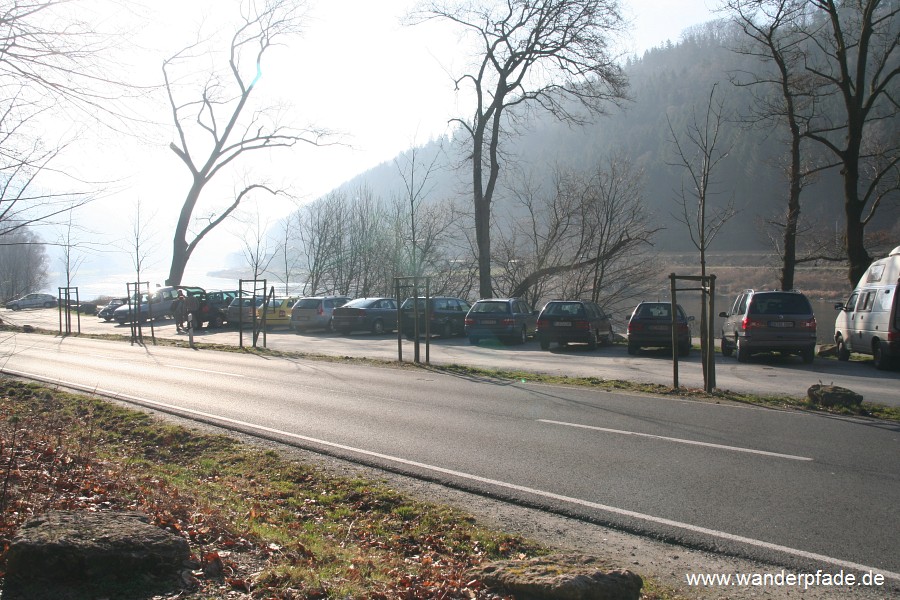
{"points": [[564, 309], [490, 307], [779, 304]]}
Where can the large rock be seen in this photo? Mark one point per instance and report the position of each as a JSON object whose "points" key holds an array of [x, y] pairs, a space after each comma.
{"points": [[560, 577], [833, 395], [65, 554]]}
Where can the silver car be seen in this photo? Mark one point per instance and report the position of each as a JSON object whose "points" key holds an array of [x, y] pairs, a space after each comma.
{"points": [[32, 301], [315, 312]]}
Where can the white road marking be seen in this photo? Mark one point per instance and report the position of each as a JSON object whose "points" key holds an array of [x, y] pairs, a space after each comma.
{"points": [[477, 478], [204, 371], [678, 440]]}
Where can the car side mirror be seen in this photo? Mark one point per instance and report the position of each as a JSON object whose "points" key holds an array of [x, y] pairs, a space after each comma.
{"points": [[691, 318], [723, 314], [839, 306]]}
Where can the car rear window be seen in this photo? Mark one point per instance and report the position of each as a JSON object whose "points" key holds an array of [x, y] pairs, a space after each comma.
{"points": [[779, 304], [490, 307], [308, 303], [565, 309]]}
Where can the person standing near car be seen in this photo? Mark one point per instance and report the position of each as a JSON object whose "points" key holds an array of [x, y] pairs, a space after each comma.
{"points": [[178, 311], [191, 306]]}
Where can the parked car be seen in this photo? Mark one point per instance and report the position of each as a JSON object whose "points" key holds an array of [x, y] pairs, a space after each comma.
{"points": [[32, 301], [160, 304], [573, 321], [869, 322], [106, 311], [277, 311], [508, 319], [650, 326], [375, 315], [769, 321], [446, 316], [242, 310], [218, 302], [315, 312]]}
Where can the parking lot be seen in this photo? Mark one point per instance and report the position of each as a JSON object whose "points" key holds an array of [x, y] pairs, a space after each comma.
{"points": [[767, 374]]}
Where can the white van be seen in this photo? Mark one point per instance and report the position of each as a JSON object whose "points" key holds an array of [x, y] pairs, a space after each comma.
{"points": [[869, 322]]}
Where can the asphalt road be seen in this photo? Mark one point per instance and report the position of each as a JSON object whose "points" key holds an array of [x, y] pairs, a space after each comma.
{"points": [[770, 374], [797, 489]]}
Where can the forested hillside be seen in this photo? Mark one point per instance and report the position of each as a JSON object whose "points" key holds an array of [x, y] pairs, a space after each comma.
{"points": [[598, 210], [675, 82]]}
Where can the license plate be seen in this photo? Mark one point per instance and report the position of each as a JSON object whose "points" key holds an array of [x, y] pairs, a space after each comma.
{"points": [[563, 323], [303, 318], [489, 322], [658, 328], [781, 323]]}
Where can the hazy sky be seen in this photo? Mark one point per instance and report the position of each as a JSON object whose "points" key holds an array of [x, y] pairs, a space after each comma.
{"points": [[355, 70]]}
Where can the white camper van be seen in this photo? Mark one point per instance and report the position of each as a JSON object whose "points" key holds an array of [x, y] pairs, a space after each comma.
{"points": [[869, 322]]}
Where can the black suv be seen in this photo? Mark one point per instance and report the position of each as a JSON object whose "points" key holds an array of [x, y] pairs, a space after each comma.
{"points": [[578, 321], [769, 321], [507, 319]]}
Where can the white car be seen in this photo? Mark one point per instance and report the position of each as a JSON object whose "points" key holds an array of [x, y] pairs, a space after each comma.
{"points": [[32, 301]]}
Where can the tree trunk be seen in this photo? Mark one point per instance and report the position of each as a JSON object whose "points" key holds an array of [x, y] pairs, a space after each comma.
{"points": [[181, 250], [789, 260]]}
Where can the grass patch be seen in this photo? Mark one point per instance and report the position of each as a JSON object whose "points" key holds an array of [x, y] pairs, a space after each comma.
{"points": [[278, 528]]}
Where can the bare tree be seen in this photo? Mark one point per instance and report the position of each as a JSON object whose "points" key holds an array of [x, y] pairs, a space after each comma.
{"points": [[73, 255], [141, 244], [24, 158], [836, 64], [23, 263], [288, 252], [218, 126], [782, 97], [255, 241], [53, 59], [548, 54], [699, 154], [317, 230], [582, 236], [855, 60], [417, 173]]}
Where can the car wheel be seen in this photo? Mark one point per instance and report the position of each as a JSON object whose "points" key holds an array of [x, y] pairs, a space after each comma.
{"points": [[14, 307], [330, 327], [377, 327], [741, 352], [592, 340], [215, 322], [684, 350], [608, 338], [881, 361], [107, 319], [808, 355], [545, 344], [523, 336], [843, 352], [632, 349], [726, 349], [447, 330], [48, 305]]}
